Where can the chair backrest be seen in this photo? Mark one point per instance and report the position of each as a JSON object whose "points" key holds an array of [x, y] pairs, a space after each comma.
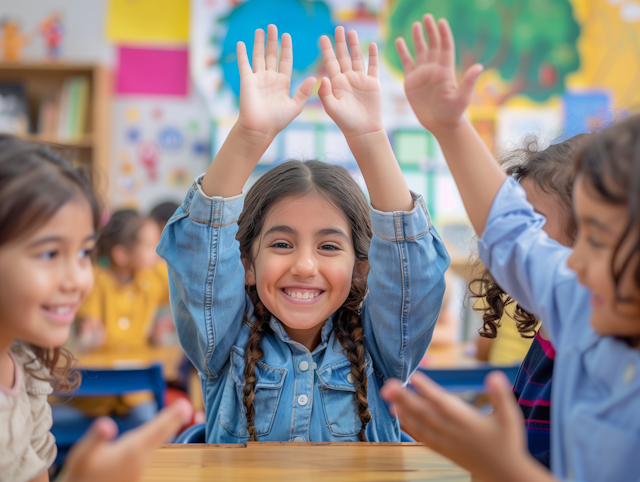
{"points": [[105, 382], [460, 380], [193, 435]]}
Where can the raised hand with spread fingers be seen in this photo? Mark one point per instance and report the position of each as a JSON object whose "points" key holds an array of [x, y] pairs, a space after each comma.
{"points": [[266, 108], [352, 98]]}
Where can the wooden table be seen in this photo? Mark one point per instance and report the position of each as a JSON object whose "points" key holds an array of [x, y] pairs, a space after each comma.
{"points": [[299, 462], [132, 356]]}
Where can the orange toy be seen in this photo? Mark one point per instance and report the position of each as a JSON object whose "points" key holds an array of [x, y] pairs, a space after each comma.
{"points": [[12, 41]]}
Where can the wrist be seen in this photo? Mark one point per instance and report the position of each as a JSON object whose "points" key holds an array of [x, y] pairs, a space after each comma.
{"points": [[369, 139], [251, 138], [451, 131]]}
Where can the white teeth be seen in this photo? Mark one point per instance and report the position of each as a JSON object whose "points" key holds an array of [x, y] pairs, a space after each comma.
{"points": [[62, 310], [305, 296], [302, 296]]}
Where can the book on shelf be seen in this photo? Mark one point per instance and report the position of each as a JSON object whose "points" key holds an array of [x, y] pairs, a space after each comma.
{"points": [[13, 109], [65, 117]]}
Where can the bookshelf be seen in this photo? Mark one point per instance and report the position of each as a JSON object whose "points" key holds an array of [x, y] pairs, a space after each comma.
{"points": [[48, 84]]}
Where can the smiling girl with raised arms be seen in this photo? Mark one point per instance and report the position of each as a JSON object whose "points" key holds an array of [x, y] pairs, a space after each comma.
{"points": [[269, 294]]}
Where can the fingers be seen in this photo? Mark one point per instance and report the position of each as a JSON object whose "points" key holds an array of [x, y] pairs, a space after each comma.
{"points": [[286, 55], [419, 43], [243, 61], [447, 56], [342, 51], [468, 83], [405, 56], [501, 397], [329, 57], [373, 60], [258, 51], [357, 61], [272, 47], [155, 432], [433, 37], [101, 430], [304, 92]]}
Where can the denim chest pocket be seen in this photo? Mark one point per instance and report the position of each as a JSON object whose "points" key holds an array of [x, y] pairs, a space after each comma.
{"points": [[338, 396], [602, 451], [268, 389]]}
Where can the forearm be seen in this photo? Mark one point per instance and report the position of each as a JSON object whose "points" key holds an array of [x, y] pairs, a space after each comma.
{"points": [[235, 161], [475, 170], [387, 188]]}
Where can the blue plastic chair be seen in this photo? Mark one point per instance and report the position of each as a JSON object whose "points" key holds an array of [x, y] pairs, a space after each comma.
{"points": [[107, 382], [193, 435], [465, 380]]}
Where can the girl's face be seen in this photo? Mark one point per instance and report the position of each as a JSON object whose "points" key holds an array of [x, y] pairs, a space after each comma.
{"points": [[46, 276], [303, 261], [142, 255], [600, 227]]}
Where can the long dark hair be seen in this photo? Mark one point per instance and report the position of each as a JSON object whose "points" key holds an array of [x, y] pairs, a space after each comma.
{"points": [[122, 228], [610, 164], [35, 182], [295, 178], [552, 172]]}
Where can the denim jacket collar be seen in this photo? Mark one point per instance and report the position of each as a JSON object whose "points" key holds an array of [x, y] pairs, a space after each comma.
{"points": [[325, 334]]}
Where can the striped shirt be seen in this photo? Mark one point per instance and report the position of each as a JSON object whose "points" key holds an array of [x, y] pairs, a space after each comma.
{"points": [[533, 391]]}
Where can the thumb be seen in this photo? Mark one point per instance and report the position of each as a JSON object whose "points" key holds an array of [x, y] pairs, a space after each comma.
{"points": [[501, 396], [101, 431], [325, 92], [469, 82], [304, 92]]}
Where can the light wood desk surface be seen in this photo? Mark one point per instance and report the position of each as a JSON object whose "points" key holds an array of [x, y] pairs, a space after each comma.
{"points": [[299, 462], [129, 356]]}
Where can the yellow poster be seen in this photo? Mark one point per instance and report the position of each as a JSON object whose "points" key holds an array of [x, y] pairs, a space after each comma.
{"points": [[148, 21]]}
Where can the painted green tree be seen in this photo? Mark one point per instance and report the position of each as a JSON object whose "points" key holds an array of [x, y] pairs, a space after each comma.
{"points": [[532, 43]]}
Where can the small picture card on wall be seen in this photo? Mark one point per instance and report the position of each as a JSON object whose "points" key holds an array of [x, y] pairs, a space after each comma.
{"points": [[153, 71]]}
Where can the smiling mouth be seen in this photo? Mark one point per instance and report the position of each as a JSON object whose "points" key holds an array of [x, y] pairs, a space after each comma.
{"points": [[302, 294], [61, 313]]}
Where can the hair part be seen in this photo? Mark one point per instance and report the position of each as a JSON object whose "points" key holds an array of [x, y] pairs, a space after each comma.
{"points": [[334, 183], [610, 167], [552, 171], [36, 182]]}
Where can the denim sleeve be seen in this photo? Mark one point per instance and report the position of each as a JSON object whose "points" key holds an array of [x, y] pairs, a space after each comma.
{"points": [[530, 266], [406, 285], [206, 276]]}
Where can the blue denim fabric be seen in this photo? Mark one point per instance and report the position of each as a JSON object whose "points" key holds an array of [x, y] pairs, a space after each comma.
{"points": [[595, 434], [208, 299]]}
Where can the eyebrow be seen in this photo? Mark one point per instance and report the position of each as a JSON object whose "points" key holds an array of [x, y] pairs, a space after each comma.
{"points": [[597, 223], [321, 232], [57, 239]]}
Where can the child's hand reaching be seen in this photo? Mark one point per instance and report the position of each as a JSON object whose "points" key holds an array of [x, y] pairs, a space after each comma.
{"points": [[265, 104], [430, 82], [97, 457], [351, 96], [492, 448]]}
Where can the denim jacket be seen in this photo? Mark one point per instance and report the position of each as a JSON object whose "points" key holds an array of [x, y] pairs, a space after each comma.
{"points": [[299, 395], [596, 379]]}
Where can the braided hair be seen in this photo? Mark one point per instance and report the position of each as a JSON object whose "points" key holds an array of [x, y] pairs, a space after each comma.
{"points": [[335, 184]]}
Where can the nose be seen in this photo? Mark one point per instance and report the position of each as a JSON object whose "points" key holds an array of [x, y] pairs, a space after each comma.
{"points": [[305, 264], [73, 275]]}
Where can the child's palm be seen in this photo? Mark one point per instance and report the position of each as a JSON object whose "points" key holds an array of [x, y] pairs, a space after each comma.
{"points": [[265, 103], [430, 82], [351, 95]]}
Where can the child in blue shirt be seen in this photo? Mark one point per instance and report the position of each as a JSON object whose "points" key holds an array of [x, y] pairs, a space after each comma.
{"points": [[296, 304], [588, 298]]}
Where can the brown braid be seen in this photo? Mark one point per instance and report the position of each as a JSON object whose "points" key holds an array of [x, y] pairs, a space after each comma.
{"points": [[252, 355], [292, 179]]}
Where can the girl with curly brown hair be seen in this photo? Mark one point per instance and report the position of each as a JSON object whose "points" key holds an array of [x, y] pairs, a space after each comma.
{"points": [[297, 302]]}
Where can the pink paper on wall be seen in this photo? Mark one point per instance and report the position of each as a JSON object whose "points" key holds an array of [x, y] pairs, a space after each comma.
{"points": [[152, 71]]}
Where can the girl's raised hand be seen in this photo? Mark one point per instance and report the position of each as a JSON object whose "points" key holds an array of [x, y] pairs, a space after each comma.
{"points": [[265, 103], [351, 95], [430, 82]]}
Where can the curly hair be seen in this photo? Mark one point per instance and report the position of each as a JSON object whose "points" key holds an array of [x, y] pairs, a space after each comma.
{"points": [[291, 179], [35, 182], [552, 172]]}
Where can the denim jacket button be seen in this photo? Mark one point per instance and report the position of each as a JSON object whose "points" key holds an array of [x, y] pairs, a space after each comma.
{"points": [[298, 439], [302, 400], [303, 366], [351, 378]]}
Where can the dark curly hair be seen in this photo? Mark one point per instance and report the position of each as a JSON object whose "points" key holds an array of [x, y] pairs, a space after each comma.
{"points": [[35, 182], [334, 183], [552, 172]]}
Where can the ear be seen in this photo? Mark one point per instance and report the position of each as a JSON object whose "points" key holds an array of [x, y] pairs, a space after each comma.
{"points": [[119, 255], [361, 269], [249, 273]]}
